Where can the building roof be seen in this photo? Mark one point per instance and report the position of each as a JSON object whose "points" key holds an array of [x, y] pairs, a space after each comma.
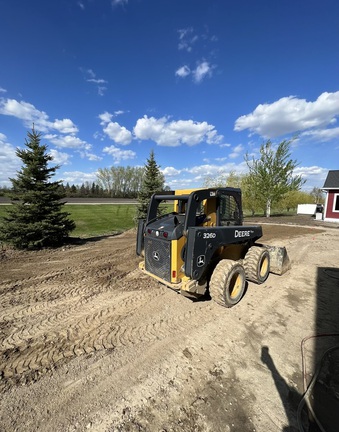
{"points": [[332, 180]]}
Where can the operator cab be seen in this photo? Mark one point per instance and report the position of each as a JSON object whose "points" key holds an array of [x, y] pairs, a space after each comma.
{"points": [[204, 207]]}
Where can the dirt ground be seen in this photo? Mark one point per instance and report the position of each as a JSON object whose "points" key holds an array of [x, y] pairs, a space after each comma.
{"points": [[88, 343]]}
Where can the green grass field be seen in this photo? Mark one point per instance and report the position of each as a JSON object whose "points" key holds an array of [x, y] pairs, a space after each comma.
{"points": [[95, 220]]}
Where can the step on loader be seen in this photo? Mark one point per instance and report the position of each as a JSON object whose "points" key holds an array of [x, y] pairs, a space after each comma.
{"points": [[202, 246]]}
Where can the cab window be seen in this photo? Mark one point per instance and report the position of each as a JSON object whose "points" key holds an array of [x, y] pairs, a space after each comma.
{"points": [[228, 211]]}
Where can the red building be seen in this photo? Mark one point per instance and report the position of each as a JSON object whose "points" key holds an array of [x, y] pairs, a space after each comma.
{"points": [[331, 187]]}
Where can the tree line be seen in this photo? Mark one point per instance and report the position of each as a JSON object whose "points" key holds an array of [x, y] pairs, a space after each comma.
{"points": [[85, 190], [114, 182]]}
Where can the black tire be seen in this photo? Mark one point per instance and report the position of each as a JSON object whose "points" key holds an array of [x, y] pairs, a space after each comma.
{"points": [[227, 284], [257, 264]]}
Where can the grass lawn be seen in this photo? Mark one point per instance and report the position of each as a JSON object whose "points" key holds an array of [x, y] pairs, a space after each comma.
{"points": [[94, 220]]}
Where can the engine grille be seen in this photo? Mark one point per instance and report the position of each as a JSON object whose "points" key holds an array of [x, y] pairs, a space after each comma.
{"points": [[158, 258]]}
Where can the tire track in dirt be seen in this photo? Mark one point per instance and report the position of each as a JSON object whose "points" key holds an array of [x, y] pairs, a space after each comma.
{"points": [[32, 351], [100, 303], [64, 310], [68, 325], [44, 287], [73, 333]]}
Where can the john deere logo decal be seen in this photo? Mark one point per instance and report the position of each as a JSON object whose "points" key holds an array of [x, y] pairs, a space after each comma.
{"points": [[156, 256]]}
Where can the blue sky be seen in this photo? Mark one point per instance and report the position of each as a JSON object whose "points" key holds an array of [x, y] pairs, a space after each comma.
{"points": [[201, 82]]}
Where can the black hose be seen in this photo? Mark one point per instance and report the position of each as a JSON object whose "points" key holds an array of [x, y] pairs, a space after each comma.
{"points": [[306, 395]]}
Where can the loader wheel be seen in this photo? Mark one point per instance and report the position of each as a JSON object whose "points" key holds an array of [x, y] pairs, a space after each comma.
{"points": [[227, 284], [257, 264]]}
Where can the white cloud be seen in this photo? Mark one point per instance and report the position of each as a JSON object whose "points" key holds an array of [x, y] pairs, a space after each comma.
{"points": [[182, 183], [193, 177], [119, 2], [2, 90], [187, 39], [101, 90], [183, 71], [289, 115], [24, 111], [78, 177], [213, 169], [90, 76], [68, 141], [59, 158], [105, 117], [311, 171], [206, 169], [97, 81], [202, 70], [119, 134], [9, 161], [174, 133], [90, 156], [65, 126], [237, 151], [98, 136], [322, 134], [29, 114], [118, 154], [314, 175], [170, 172]]}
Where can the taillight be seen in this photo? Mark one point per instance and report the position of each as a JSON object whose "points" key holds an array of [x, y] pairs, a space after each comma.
{"points": [[165, 234], [149, 231]]}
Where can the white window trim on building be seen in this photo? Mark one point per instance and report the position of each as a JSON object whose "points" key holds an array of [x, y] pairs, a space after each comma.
{"points": [[335, 199]]}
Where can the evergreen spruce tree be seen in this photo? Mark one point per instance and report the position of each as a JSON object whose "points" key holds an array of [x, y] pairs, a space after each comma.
{"points": [[152, 182], [36, 218]]}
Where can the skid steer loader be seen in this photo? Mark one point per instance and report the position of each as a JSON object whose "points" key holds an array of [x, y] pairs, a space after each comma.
{"points": [[202, 245]]}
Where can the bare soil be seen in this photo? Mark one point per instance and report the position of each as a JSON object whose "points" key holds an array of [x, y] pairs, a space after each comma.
{"points": [[87, 342]]}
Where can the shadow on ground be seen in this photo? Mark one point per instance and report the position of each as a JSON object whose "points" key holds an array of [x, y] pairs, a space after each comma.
{"points": [[317, 409]]}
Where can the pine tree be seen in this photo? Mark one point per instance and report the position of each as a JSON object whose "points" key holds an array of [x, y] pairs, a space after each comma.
{"points": [[36, 218], [152, 182]]}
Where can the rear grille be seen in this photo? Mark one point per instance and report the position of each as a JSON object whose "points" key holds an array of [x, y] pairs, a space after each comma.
{"points": [[158, 258]]}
